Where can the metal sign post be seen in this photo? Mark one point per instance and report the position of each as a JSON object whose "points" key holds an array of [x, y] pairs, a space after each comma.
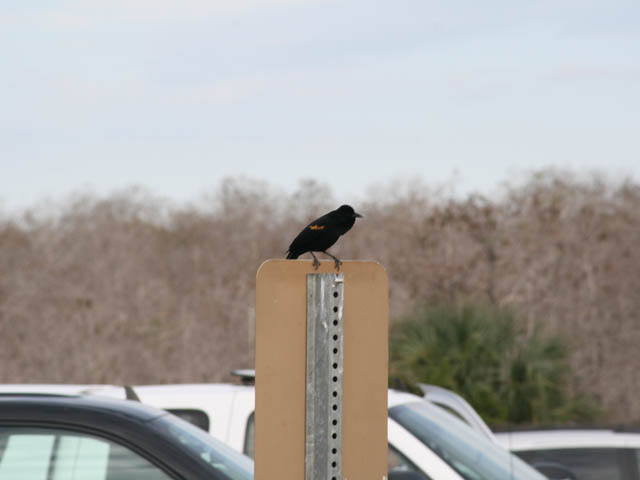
{"points": [[325, 333], [321, 371]]}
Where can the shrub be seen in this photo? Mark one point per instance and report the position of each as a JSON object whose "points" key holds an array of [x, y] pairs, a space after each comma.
{"points": [[486, 355]]}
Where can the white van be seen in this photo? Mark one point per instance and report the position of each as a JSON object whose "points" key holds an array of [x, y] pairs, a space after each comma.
{"points": [[422, 437]]}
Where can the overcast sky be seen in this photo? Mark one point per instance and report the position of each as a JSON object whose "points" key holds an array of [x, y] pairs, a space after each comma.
{"points": [[175, 95]]}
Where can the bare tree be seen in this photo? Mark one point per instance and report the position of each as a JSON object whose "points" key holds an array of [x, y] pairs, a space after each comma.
{"points": [[131, 288]]}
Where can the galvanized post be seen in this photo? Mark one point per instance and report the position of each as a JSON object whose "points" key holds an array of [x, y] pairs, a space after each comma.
{"points": [[325, 333]]}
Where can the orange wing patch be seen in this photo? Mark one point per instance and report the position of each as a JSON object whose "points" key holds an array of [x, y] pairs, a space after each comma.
{"points": [[316, 227]]}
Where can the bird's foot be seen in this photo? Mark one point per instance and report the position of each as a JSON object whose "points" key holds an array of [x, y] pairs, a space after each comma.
{"points": [[316, 262], [336, 260]]}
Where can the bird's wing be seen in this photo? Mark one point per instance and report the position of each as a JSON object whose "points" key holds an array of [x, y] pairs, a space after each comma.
{"points": [[319, 223], [313, 233]]}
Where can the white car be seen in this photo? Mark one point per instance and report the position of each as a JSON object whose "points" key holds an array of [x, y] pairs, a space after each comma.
{"points": [[584, 454], [423, 438]]}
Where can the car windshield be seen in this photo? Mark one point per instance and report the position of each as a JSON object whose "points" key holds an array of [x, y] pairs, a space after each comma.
{"points": [[201, 445], [466, 451]]}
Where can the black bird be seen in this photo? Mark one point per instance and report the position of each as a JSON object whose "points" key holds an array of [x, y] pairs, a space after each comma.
{"points": [[322, 233]]}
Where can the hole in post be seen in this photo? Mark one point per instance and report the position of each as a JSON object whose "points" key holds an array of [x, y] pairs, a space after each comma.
{"points": [[334, 435], [334, 422], [335, 323], [335, 294], [335, 407], [335, 350], [334, 451], [335, 379], [333, 464], [335, 337], [335, 365], [335, 394]]}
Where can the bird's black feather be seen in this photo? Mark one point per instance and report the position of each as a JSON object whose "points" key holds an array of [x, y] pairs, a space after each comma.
{"points": [[323, 232]]}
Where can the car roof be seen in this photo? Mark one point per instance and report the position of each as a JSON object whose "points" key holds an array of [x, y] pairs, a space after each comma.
{"points": [[561, 439], [114, 391], [70, 408], [396, 397], [193, 388]]}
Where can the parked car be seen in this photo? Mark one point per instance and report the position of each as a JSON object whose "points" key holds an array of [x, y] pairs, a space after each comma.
{"points": [[66, 437], [593, 454], [425, 442], [423, 438]]}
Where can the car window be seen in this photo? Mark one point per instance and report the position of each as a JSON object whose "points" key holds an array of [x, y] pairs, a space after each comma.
{"points": [[470, 454], [208, 450], [195, 417], [399, 463], [584, 463], [53, 454], [451, 411]]}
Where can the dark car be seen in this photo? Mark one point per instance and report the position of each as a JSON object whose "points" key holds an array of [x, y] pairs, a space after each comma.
{"points": [[52, 437]]}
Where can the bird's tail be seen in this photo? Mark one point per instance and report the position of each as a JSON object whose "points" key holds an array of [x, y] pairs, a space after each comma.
{"points": [[291, 255]]}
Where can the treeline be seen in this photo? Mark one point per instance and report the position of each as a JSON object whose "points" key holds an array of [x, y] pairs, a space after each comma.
{"points": [[133, 289]]}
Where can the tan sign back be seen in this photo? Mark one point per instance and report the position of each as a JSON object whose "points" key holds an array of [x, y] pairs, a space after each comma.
{"points": [[281, 301]]}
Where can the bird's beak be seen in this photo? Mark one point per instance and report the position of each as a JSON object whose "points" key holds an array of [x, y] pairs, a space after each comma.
{"points": [[357, 215]]}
